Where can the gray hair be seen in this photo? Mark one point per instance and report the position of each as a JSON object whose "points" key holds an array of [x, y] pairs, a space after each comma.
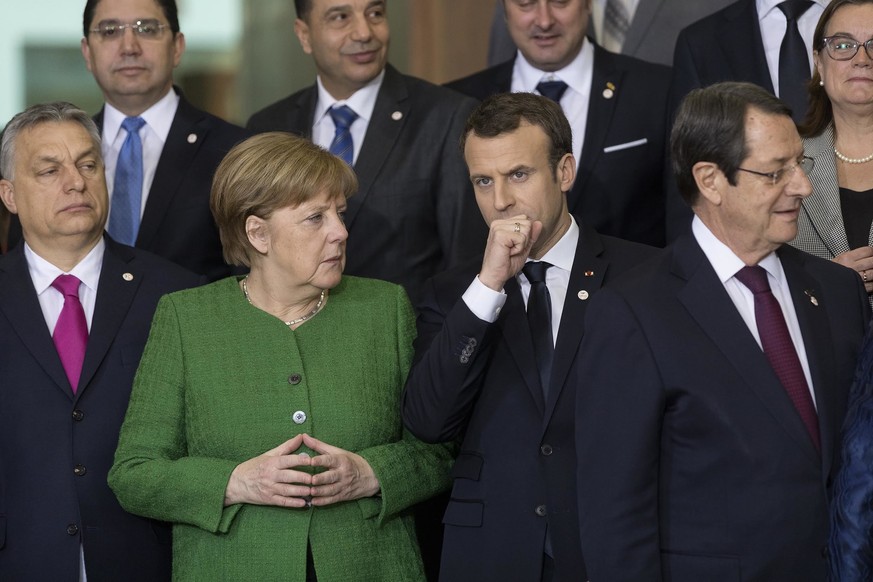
{"points": [[57, 112]]}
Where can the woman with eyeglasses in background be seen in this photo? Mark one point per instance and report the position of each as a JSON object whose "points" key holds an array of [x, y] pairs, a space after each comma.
{"points": [[838, 134]]}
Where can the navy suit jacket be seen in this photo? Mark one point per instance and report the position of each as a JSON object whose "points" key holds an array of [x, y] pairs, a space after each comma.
{"points": [[693, 463], [478, 382], [177, 223], [47, 510], [619, 192], [414, 214]]}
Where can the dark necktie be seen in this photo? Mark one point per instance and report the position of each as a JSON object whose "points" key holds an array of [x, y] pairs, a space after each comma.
{"points": [[793, 60], [554, 90], [127, 189], [342, 145], [778, 347], [539, 317], [71, 330]]}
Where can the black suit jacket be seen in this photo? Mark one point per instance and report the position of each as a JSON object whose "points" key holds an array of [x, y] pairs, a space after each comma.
{"points": [[693, 462], [177, 223], [414, 214], [478, 382], [47, 510], [618, 192]]}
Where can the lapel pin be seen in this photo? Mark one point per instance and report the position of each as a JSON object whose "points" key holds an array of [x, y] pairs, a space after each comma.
{"points": [[609, 91], [397, 116], [589, 273], [127, 277], [812, 298], [192, 137], [583, 295]]}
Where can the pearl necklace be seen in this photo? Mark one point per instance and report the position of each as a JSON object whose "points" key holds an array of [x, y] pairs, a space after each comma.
{"points": [[849, 160], [314, 311]]}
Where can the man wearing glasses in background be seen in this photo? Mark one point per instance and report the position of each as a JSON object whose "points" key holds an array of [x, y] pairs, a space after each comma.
{"points": [[161, 152]]}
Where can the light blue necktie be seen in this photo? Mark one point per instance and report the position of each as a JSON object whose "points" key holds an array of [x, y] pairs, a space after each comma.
{"points": [[342, 145], [127, 190]]}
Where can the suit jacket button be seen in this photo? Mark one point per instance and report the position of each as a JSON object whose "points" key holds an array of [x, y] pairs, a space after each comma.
{"points": [[299, 417], [78, 415], [546, 450], [79, 470], [540, 510], [294, 379], [72, 529]]}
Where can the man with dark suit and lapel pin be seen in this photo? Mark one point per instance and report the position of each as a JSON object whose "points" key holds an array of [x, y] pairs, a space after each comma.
{"points": [[414, 214], [616, 105], [497, 340], [712, 381], [75, 311], [765, 42], [161, 152]]}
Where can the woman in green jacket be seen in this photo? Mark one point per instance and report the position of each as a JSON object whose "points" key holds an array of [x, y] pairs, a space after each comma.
{"points": [[265, 421]]}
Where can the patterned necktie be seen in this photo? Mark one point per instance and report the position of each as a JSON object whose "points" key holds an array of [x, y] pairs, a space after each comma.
{"points": [[793, 60], [778, 347], [539, 318], [127, 190], [554, 90], [71, 330], [616, 21], [342, 145]]}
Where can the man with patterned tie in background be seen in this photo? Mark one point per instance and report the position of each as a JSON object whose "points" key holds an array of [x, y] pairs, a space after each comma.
{"points": [[75, 311]]}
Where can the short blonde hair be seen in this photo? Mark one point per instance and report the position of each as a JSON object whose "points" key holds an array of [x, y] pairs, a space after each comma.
{"points": [[265, 173]]}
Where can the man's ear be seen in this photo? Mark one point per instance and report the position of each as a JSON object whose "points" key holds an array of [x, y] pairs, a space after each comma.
{"points": [[301, 29], [7, 195], [710, 181]]}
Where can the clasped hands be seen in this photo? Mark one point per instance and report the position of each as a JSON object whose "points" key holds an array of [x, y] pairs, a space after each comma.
{"points": [[274, 478]]}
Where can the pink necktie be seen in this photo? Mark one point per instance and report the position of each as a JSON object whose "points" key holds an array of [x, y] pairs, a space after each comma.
{"points": [[778, 347], [71, 331]]}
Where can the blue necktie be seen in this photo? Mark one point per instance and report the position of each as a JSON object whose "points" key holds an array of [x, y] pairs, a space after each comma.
{"points": [[342, 145], [793, 62], [127, 190], [554, 90]]}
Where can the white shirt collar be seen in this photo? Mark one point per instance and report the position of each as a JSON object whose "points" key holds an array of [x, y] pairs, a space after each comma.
{"points": [[766, 6], [43, 273], [158, 117], [577, 74], [723, 259], [362, 101], [562, 254]]}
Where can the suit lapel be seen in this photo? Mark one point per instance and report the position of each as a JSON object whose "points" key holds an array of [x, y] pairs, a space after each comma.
{"points": [[642, 19], [600, 114], [742, 46], [119, 281], [187, 134], [709, 304], [390, 115], [301, 114], [813, 321], [516, 333], [19, 304], [587, 275], [823, 206]]}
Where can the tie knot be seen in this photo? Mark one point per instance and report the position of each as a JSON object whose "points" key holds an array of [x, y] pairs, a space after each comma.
{"points": [[755, 278], [794, 9], [67, 285], [133, 124], [342, 116], [554, 90], [535, 271]]}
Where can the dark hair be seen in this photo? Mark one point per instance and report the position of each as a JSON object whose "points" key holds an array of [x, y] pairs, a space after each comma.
{"points": [[302, 7], [171, 13], [504, 112], [711, 127], [821, 113]]}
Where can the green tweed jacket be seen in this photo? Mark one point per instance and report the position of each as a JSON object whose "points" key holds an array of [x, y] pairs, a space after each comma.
{"points": [[221, 382]]}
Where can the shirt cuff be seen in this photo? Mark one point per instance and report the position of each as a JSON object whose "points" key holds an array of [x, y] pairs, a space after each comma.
{"points": [[484, 302]]}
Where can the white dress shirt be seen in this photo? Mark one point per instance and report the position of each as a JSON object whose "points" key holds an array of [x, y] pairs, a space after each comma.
{"points": [[158, 120], [485, 303], [51, 302], [362, 102], [727, 264], [578, 75], [773, 25]]}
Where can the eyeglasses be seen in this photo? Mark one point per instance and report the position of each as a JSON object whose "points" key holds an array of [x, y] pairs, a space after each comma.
{"points": [[148, 29], [844, 48], [805, 163]]}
